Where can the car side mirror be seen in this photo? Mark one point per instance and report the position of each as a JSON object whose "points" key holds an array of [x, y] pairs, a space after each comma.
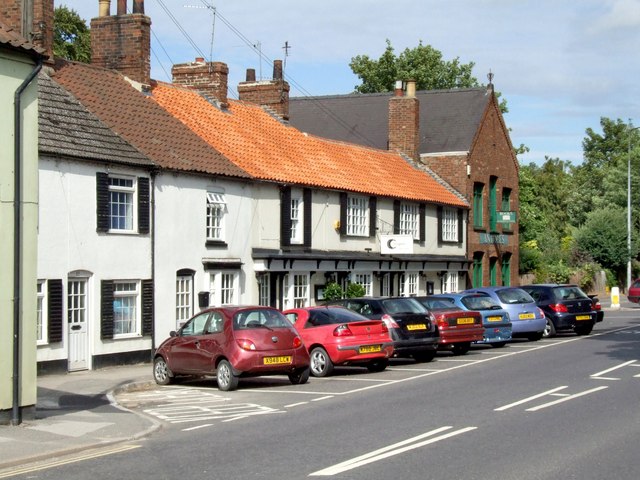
{"points": [[173, 333]]}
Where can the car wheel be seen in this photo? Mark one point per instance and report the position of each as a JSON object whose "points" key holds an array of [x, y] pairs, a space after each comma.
{"points": [[424, 357], [321, 364], [583, 330], [534, 337], [227, 381], [300, 376], [549, 329], [162, 374], [498, 344], [378, 365], [460, 348]]}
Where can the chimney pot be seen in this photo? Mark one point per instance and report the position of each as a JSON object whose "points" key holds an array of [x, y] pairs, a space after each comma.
{"points": [[251, 75], [138, 6], [277, 69], [104, 9], [122, 7], [398, 89], [199, 60], [411, 88]]}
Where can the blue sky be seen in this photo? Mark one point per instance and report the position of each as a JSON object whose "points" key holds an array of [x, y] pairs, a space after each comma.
{"points": [[561, 64]]}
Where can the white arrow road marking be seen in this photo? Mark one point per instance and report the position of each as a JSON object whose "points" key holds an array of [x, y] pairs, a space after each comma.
{"points": [[390, 451], [570, 397]]}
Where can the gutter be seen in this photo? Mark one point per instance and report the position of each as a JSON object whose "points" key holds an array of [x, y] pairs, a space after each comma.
{"points": [[17, 236]]}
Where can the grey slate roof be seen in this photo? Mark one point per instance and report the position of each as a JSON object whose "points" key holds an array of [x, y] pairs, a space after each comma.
{"points": [[68, 129], [449, 119]]}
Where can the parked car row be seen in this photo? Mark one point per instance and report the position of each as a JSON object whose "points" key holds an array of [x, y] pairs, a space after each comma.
{"points": [[232, 342]]}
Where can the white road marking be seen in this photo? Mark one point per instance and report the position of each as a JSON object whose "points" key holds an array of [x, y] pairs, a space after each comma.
{"points": [[198, 427], [321, 398], [295, 404], [570, 397], [528, 399], [597, 375], [390, 451]]}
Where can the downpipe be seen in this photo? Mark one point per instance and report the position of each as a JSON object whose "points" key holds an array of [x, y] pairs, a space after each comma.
{"points": [[17, 237]]}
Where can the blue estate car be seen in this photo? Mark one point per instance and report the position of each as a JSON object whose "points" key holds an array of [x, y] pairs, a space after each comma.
{"points": [[495, 319], [527, 320]]}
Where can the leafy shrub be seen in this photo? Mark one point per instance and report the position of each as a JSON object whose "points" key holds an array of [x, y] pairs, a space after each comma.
{"points": [[354, 290], [333, 291]]}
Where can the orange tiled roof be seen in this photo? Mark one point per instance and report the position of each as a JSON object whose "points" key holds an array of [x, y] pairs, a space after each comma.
{"points": [[141, 121], [270, 150]]}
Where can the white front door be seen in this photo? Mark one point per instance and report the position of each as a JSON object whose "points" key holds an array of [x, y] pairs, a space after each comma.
{"points": [[77, 324]]}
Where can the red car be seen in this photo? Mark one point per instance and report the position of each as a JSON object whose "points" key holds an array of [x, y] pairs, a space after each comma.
{"points": [[457, 328], [233, 342], [634, 292], [338, 336]]}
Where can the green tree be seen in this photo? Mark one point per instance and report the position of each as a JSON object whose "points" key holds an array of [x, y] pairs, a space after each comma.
{"points": [[71, 36], [604, 237], [424, 64]]}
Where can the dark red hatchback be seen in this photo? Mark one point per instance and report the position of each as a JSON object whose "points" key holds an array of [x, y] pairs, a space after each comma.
{"points": [[233, 342]]}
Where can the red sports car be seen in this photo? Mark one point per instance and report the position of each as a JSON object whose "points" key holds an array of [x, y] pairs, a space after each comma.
{"points": [[233, 342], [634, 292], [339, 336]]}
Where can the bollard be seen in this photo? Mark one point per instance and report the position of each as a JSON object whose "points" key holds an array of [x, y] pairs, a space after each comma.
{"points": [[615, 297]]}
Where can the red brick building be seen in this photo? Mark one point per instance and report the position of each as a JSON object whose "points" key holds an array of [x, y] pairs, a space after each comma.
{"points": [[460, 135]]}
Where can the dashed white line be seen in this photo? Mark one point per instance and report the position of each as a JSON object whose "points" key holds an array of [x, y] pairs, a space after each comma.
{"points": [[570, 397]]}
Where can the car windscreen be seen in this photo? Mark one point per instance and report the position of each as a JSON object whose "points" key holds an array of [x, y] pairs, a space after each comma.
{"points": [[331, 316], [568, 293], [480, 302], [433, 303], [260, 318], [402, 305], [512, 296]]}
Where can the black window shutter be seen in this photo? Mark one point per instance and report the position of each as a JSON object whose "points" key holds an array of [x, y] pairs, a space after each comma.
{"points": [[460, 226], [373, 215], [147, 307], [106, 309], [396, 217], [143, 205], [54, 310], [423, 222], [102, 202], [285, 217], [306, 201], [343, 213], [439, 223]]}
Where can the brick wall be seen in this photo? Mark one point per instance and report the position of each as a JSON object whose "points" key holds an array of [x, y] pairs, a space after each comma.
{"points": [[208, 78], [491, 155], [123, 43]]}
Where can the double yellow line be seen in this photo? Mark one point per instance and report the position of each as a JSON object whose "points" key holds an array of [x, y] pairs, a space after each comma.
{"points": [[67, 461]]}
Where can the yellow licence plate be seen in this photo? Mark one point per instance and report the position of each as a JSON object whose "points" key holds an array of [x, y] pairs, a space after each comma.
{"points": [[417, 326], [583, 317], [525, 316], [465, 321], [370, 348], [285, 359], [494, 319]]}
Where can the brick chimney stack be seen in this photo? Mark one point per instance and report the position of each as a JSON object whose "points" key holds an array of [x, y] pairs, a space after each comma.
{"points": [[33, 19], [404, 120], [272, 94], [123, 41], [208, 78]]}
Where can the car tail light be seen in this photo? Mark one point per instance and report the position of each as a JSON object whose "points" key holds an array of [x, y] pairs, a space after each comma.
{"points": [[597, 305], [246, 344], [342, 331], [441, 320], [558, 307], [297, 342], [384, 328], [389, 321]]}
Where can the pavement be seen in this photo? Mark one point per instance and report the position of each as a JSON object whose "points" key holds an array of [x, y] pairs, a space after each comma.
{"points": [[77, 412]]}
